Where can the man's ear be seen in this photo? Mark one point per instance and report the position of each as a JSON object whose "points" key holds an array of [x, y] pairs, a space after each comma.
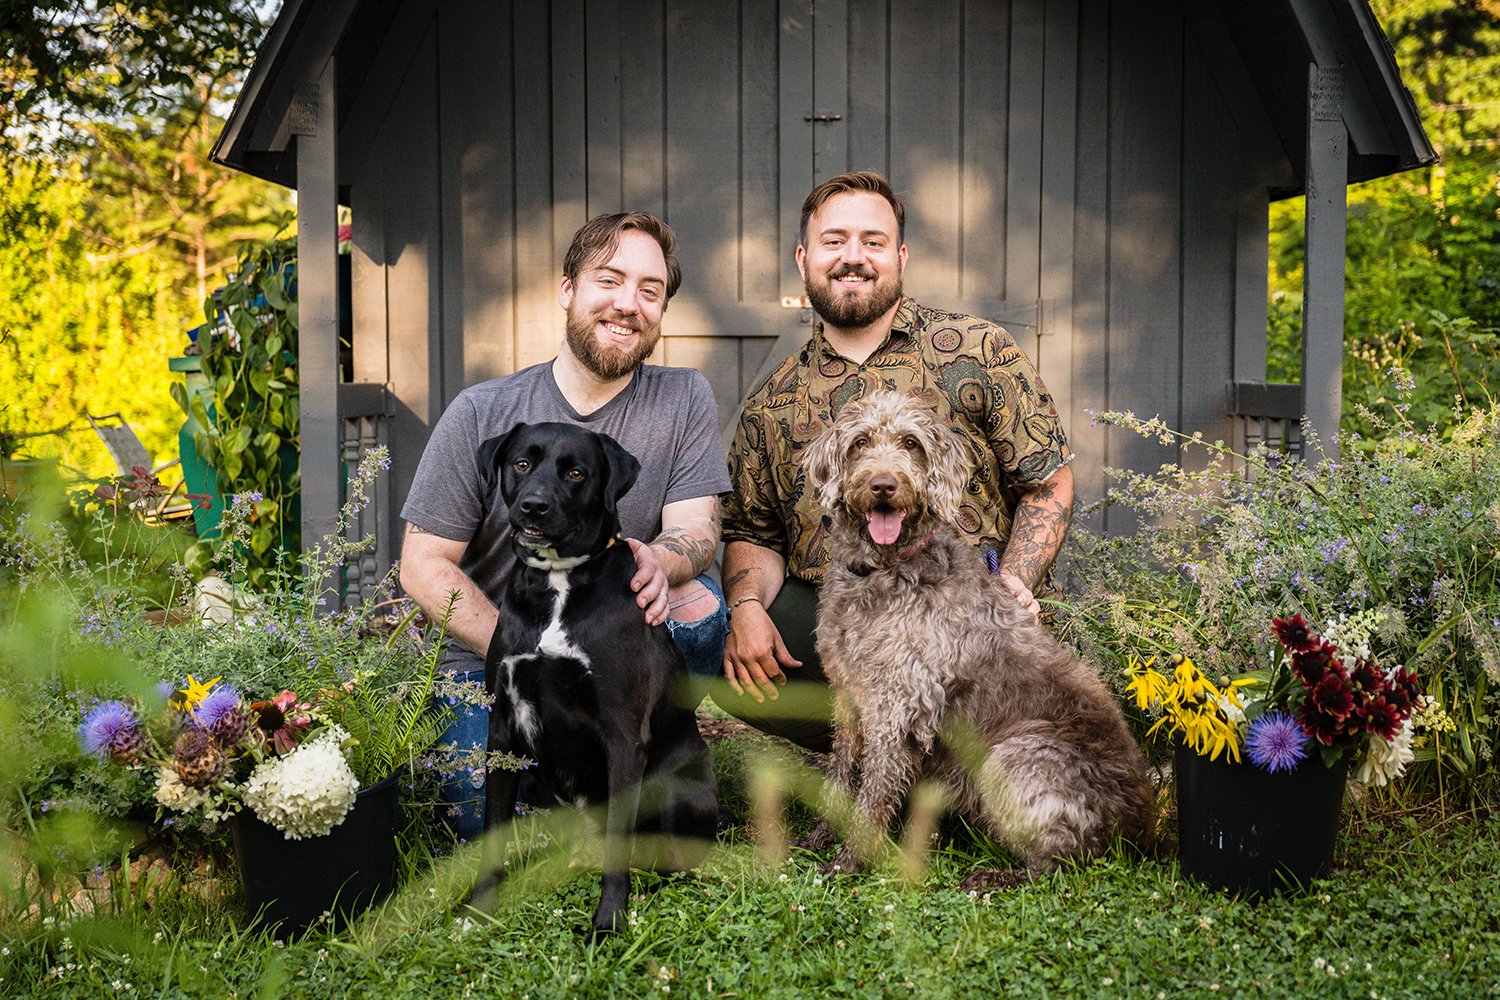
{"points": [[621, 470], [565, 293], [491, 456], [801, 256]]}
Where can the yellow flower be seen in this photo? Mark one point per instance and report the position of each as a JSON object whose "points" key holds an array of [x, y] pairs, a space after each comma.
{"points": [[195, 692], [1189, 681], [1148, 686]]}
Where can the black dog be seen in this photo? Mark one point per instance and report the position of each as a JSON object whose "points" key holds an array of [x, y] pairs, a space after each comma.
{"points": [[581, 683]]}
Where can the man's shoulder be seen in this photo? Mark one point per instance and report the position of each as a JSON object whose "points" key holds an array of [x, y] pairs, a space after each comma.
{"points": [[947, 332], [670, 378], [783, 383], [506, 383]]}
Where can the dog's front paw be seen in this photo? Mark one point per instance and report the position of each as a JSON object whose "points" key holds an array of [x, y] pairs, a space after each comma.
{"points": [[821, 838], [605, 923], [845, 862], [987, 879]]}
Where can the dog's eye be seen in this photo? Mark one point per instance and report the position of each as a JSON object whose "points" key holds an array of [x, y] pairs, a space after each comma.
{"points": [[861, 442], [910, 444], [521, 465], [575, 475]]}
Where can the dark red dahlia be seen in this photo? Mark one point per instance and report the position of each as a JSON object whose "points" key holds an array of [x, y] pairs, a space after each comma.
{"points": [[1331, 697], [1321, 727], [1380, 717], [1294, 633], [1403, 690], [1314, 663], [1367, 676]]}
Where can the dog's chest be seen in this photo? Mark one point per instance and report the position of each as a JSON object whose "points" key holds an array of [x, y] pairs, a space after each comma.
{"points": [[544, 654]]}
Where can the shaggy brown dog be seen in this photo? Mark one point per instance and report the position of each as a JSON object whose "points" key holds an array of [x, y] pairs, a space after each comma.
{"points": [[920, 642]]}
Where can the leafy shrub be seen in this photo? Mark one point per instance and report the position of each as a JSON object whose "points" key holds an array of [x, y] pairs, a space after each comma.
{"points": [[1405, 529]]}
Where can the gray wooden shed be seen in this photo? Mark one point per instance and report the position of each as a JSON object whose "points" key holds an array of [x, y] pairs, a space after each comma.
{"points": [[1095, 174]]}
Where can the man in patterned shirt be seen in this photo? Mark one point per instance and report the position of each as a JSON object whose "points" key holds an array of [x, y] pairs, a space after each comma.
{"points": [[851, 254]]}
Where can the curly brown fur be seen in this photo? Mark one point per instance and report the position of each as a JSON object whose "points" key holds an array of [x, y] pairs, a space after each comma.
{"points": [[937, 669]]}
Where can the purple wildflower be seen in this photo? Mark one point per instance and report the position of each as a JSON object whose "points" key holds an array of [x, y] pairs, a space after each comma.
{"points": [[108, 724], [215, 705], [1276, 742]]}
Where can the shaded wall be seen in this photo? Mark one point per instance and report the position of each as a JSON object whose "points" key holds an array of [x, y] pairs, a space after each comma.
{"points": [[1092, 174]]}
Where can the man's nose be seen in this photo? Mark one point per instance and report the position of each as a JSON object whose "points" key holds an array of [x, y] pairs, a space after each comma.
{"points": [[625, 300], [854, 252]]}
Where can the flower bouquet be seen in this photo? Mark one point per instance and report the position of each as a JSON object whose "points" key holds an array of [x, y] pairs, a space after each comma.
{"points": [[1271, 820], [215, 751]]}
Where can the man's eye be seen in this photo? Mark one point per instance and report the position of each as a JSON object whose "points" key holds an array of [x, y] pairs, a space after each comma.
{"points": [[575, 475]]}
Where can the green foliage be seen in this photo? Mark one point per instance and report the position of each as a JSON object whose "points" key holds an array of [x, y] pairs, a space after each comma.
{"points": [[1409, 527], [1423, 246], [251, 439], [70, 62]]}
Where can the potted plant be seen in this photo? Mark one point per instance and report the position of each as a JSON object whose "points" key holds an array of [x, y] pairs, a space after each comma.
{"points": [[1262, 760]]}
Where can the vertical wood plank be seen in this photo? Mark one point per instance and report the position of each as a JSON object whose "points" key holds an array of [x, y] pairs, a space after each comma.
{"points": [[538, 332], [869, 24], [478, 150], [643, 98], [1145, 226], [318, 311], [1090, 279], [603, 108], [570, 141], [830, 138], [794, 65], [1054, 357], [764, 248], [1210, 170], [986, 113], [1323, 278], [1023, 189], [927, 143]]}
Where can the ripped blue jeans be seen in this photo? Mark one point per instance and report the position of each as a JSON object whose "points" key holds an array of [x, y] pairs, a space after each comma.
{"points": [[701, 642]]}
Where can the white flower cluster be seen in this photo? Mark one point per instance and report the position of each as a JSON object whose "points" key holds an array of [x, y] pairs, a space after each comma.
{"points": [[1384, 762], [215, 804], [309, 791]]}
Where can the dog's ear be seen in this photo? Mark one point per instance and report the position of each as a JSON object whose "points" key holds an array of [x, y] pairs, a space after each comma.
{"points": [[491, 456], [951, 462], [820, 466], [621, 469]]}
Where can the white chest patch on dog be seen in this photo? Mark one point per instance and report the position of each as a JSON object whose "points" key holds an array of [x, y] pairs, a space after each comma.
{"points": [[528, 722], [554, 640]]}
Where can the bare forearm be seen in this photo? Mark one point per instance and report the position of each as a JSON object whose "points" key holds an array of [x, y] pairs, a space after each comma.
{"points": [[432, 582], [752, 571], [1038, 528]]}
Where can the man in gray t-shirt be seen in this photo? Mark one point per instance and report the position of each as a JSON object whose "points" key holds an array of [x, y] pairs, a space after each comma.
{"points": [[618, 276]]}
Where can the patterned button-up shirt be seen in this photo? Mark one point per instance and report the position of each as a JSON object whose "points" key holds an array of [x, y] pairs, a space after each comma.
{"points": [[969, 370]]}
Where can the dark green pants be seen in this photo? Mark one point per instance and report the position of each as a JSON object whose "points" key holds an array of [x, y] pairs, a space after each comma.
{"points": [[804, 711]]}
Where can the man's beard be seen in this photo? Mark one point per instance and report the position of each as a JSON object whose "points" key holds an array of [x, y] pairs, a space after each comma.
{"points": [[607, 361], [851, 314]]}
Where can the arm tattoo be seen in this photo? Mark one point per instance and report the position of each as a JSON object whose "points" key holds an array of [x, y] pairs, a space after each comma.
{"points": [[1036, 535], [696, 552], [416, 529]]}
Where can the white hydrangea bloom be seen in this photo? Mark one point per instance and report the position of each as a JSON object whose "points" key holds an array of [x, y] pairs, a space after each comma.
{"points": [[309, 791], [1384, 762]]}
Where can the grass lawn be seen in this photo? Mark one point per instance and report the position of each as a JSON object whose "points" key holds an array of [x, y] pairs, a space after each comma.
{"points": [[1412, 910]]}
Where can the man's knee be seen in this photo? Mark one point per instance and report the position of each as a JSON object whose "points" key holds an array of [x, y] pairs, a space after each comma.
{"points": [[690, 603]]}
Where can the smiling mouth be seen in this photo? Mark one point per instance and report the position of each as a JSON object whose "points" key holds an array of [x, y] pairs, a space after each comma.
{"points": [[615, 329]]}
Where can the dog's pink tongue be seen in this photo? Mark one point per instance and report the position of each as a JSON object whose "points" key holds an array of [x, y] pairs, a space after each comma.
{"points": [[885, 525]]}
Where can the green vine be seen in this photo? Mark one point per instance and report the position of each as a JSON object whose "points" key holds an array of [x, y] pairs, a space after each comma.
{"points": [[251, 438]]}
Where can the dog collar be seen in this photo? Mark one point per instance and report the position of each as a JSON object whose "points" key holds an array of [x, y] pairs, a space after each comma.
{"points": [[901, 556], [558, 563]]}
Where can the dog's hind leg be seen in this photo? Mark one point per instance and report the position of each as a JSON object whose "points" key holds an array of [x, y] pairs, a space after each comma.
{"points": [[1029, 791]]}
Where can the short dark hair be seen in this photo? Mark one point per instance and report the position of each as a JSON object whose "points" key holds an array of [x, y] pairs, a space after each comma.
{"points": [[858, 180], [598, 238]]}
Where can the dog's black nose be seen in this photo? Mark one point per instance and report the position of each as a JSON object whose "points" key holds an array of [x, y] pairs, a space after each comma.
{"points": [[534, 506], [884, 487]]}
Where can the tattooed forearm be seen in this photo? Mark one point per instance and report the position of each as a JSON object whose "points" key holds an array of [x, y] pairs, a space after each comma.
{"points": [[1038, 528], [689, 546]]}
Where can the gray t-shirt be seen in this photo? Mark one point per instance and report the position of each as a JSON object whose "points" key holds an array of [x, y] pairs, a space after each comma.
{"points": [[665, 417]]}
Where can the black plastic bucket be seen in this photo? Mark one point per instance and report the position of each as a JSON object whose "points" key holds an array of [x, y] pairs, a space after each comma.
{"points": [[1244, 829], [289, 883]]}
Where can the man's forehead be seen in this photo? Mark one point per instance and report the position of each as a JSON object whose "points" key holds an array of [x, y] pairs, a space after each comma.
{"points": [[864, 211], [636, 254]]}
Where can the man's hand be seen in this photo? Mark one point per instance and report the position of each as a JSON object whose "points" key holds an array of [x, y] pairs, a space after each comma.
{"points": [[1022, 593], [649, 582], [754, 654]]}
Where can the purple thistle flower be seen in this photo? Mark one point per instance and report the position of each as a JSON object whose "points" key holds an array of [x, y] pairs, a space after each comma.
{"points": [[1276, 742], [215, 705], [105, 723]]}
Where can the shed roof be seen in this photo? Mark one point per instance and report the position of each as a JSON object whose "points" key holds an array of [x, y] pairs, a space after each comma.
{"points": [[1275, 40]]}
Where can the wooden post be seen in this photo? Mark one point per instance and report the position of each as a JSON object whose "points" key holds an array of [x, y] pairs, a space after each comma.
{"points": [[315, 124], [1323, 280]]}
